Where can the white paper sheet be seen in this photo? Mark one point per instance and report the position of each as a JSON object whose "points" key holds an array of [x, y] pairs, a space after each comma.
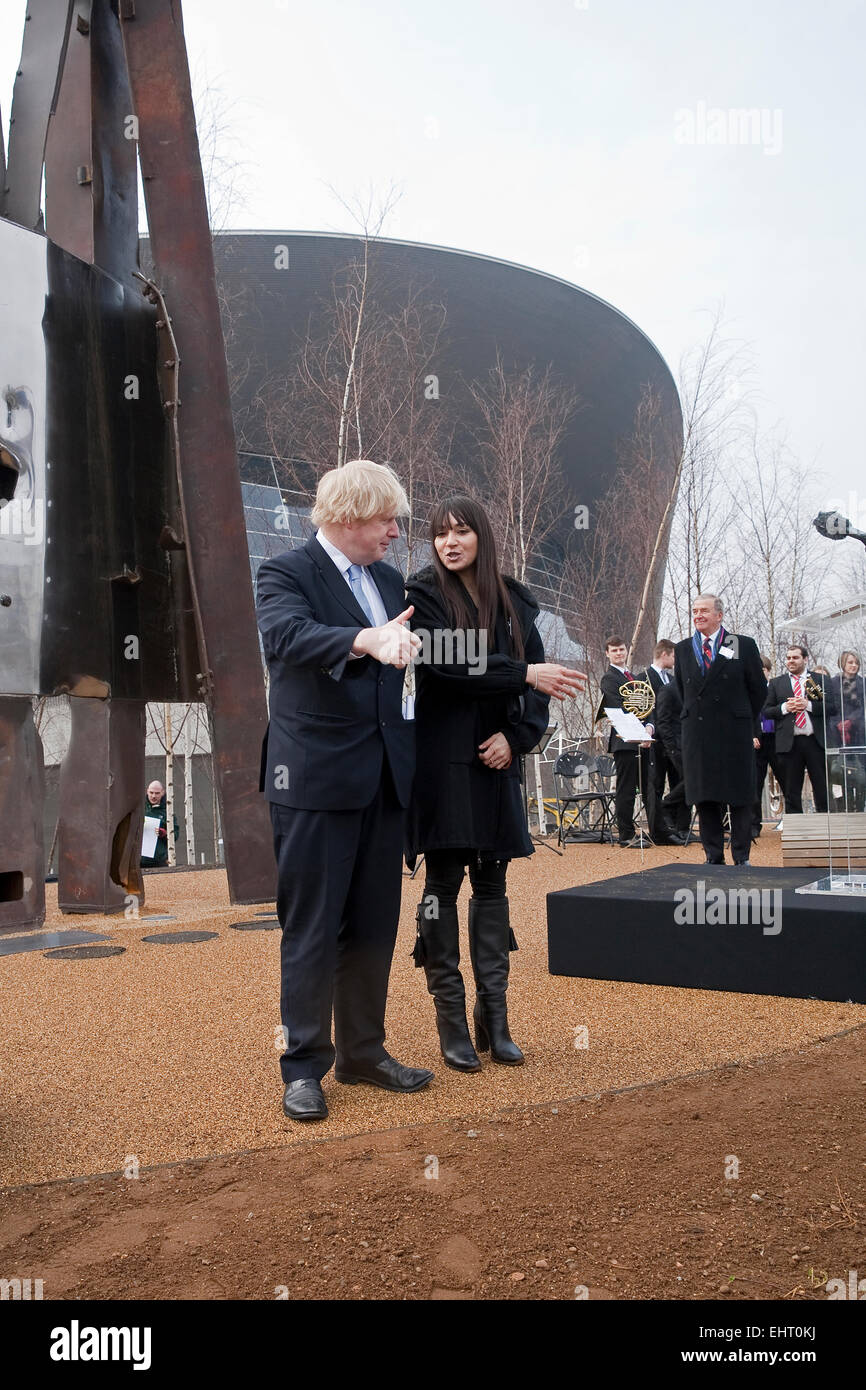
{"points": [[148, 842], [628, 726]]}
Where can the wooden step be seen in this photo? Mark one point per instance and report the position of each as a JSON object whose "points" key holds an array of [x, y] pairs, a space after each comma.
{"points": [[813, 839]]}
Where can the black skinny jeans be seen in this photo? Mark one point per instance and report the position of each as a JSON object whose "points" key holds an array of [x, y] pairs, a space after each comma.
{"points": [[445, 870]]}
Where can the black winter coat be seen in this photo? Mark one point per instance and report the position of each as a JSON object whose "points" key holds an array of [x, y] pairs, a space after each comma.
{"points": [[717, 722], [846, 701], [457, 802]]}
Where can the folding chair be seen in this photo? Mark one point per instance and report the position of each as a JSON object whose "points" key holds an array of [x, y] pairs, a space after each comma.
{"points": [[582, 784]]}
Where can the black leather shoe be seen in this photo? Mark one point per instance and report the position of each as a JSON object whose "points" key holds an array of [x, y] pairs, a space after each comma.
{"points": [[672, 839], [715, 861], [389, 1075], [303, 1100]]}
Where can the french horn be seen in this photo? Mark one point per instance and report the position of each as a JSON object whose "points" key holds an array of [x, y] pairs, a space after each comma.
{"points": [[638, 697]]}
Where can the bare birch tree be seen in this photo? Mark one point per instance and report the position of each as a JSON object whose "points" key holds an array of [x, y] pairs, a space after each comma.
{"points": [[524, 415]]}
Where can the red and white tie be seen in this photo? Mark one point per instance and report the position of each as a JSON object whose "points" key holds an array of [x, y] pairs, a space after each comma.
{"points": [[800, 716]]}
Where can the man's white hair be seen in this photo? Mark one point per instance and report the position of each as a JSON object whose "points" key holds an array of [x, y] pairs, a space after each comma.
{"points": [[358, 491], [717, 602]]}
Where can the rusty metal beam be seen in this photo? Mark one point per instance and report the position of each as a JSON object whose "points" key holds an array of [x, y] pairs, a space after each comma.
{"points": [[99, 833], [68, 145], [46, 31], [215, 534], [91, 209]]}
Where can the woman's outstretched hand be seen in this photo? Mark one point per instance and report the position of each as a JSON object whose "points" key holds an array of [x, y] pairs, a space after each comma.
{"points": [[558, 681], [495, 752]]}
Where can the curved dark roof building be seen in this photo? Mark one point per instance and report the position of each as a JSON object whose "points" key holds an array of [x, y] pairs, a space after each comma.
{"points": [[283, 284]]}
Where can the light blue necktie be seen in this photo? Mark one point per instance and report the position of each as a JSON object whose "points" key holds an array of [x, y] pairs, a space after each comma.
{"points": [[354, 573]]}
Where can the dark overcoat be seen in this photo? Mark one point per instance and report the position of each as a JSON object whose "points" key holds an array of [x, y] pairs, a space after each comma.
{"points": [[457, 802], [718, 719]]}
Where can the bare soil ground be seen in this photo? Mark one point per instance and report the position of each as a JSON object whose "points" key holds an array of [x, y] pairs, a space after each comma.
{"points": [[624, 1195], [702, 1146]]}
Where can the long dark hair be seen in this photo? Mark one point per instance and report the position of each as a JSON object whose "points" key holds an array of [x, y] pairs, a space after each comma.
{"points": [[492, 589]]}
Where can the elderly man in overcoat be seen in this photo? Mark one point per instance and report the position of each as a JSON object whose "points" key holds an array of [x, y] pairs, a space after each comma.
{"points": [[722, 684]]}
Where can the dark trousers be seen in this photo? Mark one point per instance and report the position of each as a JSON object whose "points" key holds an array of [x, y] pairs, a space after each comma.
{"points": [[445, 870], [806, 755], [677, 808], [625, 761], [765, 756], [711, 823], [339, 881]]}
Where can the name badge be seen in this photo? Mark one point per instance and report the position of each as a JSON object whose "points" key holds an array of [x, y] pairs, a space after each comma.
{"points": [[726, 651]]}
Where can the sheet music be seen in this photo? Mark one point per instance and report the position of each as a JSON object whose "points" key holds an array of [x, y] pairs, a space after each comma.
{"points": [[628, 726]]}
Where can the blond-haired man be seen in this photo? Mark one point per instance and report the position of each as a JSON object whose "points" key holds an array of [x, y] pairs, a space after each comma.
{"points": [[337, 769]]}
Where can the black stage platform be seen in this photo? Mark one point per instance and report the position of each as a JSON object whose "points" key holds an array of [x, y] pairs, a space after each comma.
{"points": [[776, 942]]}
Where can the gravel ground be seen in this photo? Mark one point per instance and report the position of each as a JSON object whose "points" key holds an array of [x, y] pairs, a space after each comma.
{"points": [[168, 1052]]}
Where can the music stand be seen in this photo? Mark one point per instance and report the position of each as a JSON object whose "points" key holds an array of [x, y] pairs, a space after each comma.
{"points": [[538, 749]]}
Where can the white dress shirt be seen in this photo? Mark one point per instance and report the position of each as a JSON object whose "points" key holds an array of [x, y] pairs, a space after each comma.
{"points": [[344, 564], [808, 727]]}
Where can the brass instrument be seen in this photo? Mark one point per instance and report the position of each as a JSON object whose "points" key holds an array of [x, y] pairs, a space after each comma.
{"points": [[813, 690], [638, 697]]}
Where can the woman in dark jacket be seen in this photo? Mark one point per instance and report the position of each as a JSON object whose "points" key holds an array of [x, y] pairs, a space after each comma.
{"points": [[846, 728], [483, 691]]}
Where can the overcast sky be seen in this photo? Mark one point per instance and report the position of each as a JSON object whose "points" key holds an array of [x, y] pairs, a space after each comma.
{"points": [[584, 140]]}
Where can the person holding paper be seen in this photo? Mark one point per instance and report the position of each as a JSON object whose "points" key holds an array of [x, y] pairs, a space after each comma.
{"points": [[723, 689], [631, 757], [155, 810]]}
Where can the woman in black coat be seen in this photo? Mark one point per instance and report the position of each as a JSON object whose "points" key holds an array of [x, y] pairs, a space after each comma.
{"points": [[846, 728], [483, 691]]}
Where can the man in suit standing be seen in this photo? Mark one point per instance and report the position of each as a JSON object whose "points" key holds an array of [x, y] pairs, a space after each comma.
{"points": [[337, 768], [799, 731], [660, 675], [765, 756], [667, 715], [722, 686]]}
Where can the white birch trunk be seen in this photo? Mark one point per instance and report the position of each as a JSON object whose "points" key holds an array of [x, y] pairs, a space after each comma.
{"points": [[539, 796], [189, 748], [169, 788]]}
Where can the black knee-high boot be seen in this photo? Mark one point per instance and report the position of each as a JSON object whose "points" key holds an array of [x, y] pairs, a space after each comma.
{"points": [[490, 939], [438, 945]]}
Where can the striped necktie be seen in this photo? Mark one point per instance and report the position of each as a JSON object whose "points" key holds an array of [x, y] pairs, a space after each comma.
{"points": [[800, 716], [708, 653]]}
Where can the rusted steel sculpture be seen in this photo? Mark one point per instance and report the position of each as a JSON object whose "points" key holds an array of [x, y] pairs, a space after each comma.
{"points": [[123, 565]]}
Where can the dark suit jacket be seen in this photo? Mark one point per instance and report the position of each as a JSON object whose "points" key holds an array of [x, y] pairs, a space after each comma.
{"points": [[611, 682], [333, 721], [718, 719], [669, 708], [780, 689]]}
